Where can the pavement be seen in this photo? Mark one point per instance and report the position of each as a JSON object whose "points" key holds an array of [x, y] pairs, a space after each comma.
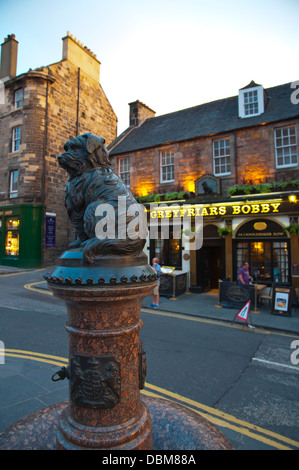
{"points": [[21, 392]]}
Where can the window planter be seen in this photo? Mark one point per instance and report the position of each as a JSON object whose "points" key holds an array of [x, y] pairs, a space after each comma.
{"points": [[263, 188]]}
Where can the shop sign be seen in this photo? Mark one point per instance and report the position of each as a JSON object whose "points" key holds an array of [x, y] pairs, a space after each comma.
{"points": [[50, 232], [163, 211], [6, 213], [281, 301], [261, 228], [234, 295]]}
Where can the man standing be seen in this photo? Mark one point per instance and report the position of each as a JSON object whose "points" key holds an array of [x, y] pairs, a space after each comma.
{"points": [[243, 274], [155, 295]]}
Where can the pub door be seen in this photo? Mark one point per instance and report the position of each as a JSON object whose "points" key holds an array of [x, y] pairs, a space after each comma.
{"points": [[210, 264]]}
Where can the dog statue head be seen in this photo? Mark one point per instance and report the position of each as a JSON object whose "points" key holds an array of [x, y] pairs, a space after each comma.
{"points": [[82, 153]]}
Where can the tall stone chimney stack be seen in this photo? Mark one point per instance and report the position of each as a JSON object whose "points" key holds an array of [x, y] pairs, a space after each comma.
{"points": [[9, 56], [139, 112]]}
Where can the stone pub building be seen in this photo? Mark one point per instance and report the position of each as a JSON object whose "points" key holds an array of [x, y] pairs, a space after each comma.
{"points": [[233, 161]]}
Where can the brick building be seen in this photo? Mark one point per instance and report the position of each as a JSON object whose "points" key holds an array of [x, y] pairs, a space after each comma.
{"points": [[233, 161], [39, 111]]}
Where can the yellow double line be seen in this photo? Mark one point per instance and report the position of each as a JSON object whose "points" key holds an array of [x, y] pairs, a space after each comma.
{"points": [[217, 417]]}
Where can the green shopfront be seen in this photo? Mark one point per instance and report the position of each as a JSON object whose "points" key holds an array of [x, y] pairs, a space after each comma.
{"points": [[21, 235]]}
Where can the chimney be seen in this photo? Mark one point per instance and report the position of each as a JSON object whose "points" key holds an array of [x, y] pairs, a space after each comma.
{"points": [[80, 56], [139, 112], [9, 55]]}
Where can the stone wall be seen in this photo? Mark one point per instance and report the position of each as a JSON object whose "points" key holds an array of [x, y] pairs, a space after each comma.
{"points": [[252, 162]]}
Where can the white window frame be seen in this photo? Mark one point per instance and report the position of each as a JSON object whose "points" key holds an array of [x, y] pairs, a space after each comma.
{"points": [[284, 146], [226, 154], [16, 139], [167, 165], [124, 170], [13, 183], [246, 99], [19, 98]]}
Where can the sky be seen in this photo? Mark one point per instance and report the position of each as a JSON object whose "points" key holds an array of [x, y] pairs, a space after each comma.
{"points": [[168, 54]]}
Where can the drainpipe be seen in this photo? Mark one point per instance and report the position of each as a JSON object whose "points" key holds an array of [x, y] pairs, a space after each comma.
{"points": [[44, 170], [45, 145], [236, 157], [78, 102]]}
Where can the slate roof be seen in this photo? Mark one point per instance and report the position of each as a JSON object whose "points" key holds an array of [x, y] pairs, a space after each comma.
{"points": [[206, 119]]}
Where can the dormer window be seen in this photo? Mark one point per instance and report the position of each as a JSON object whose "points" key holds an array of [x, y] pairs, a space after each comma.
{"points": [[251, 100]]}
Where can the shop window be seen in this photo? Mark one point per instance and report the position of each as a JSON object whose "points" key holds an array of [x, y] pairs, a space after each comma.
{"points": [[124, 170], [13, 183], [286, 147], [12, 237], [167, 165]]}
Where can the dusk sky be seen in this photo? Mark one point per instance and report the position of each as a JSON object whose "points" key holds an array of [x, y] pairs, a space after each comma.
{"points": [[169, 54]]}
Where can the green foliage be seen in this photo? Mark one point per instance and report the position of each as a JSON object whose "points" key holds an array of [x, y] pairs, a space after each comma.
{"points": [[293, 229], [223, 231], [263, 188], [171, 196]]}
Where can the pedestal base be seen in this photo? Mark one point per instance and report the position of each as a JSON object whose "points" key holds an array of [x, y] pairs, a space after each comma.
{"points": [[174, 428]]}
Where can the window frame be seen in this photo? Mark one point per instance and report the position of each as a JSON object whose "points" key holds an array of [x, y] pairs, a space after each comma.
{"points": [[219, 157], [260, 101], [251, 102], [126, 172], [13, 192], [17, 100], [16, 139], [167, 165], [295, 145]]}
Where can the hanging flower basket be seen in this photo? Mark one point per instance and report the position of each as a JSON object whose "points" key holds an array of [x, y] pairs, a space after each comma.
{"points": [[224, 231]]}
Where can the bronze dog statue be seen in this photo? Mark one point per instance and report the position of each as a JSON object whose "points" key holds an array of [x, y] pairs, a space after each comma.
{"points": [[96, 198]]}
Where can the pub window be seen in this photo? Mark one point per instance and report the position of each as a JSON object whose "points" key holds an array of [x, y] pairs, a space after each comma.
{"points": [[16, 139], [124, 170], [281, 262], [12, 237], [169, 251], [268, 260], [19, 98], [13, 183], [221, 157], [167, 165], [286, 147]]}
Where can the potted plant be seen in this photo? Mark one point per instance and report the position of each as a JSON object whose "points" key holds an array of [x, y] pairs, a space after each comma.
{"points": [[293, 229], [224, 231]]}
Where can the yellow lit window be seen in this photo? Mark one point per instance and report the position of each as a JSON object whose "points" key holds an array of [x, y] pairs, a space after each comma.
{"points": [[12, 243], [12, 223]]}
